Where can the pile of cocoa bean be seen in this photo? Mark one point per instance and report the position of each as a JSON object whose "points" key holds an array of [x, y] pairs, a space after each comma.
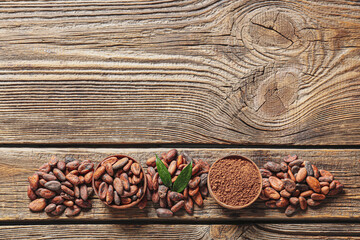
{"points": [[295, 184], [119, 181], [60, 186], [169, 201]]}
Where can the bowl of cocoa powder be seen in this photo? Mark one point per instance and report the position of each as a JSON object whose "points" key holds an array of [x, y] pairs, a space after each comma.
{"points": [[234, 182]]}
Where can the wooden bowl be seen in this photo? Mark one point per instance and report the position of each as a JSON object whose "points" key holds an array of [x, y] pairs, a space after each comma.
{"points": [[119, 156], [257, 172]]}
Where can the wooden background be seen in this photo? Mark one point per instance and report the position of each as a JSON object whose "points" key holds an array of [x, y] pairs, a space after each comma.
{"points": [[213, 77]]}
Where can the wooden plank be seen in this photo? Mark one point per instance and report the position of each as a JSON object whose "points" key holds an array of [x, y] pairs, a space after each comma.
{"points": [[208, 71], [16, 164], [183, 231]]}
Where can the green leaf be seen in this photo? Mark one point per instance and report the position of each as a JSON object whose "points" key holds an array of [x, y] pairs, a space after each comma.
{"points": [[163, 172], [183, 179]]}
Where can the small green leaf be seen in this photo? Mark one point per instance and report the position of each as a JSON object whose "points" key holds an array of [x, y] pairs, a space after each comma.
{"points": [[163, 172], [183, 179]]}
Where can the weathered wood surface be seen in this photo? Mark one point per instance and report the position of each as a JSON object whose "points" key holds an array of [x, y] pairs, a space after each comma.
{"points": [[16, 164], [185, 231], [211, 71]]}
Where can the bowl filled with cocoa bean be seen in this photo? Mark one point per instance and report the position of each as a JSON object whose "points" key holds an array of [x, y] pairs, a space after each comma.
{"points": [[234, 182], [119, 181]]}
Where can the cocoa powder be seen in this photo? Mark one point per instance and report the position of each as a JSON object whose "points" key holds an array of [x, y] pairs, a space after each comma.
{"points": [[234, 182]]}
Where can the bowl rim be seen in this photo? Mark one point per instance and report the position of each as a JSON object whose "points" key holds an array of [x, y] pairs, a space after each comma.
{"points": [[119, 156], [238, 157]]}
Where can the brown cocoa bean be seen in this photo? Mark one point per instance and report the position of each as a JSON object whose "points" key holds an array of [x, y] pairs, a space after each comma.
{"points": [[58, 210], [189, 206], [309, 169], [59, 175], [325, 173], [120, 163], [53, 161], [135, 168], [265, 173], [285, 193], [265, 182], [53, 185], [162, 191], [283, 167], [290, 210], [137, 179], [175, 196], [272, 166], [109, 169], [142, 204], [204, 191], [66, 196], [186, 192], [262, 196], [155, 197], [164, 213], [155, 183], [31, 194], [198, 199], [151, 171], [74, 172], [73, 165], [127, 167], [49, 208], [103, 188], [196, 169], [295, 169], [182, 166], [276, 183], [169, 202], [290, 158], [193, 183], [307, 193], [317, 196], [333, 184], [73, 179], [34, 181], [294, 201], [149, 181], [118, 186], [110, 195], [84, 168], [46, 193], [163, 203], [151, 161], [111, 160], [49, 177], [57, 200], [83, 204], [45, 168], [326, 179], [178, 206], [313, 203], [338, 189], [302, 187], [301, 175], [42, 182], [282, 202], [313, 184], [83, 192], [296, 193], [68, 203], [271, 204], [172, 168], [132, 191], [88, 177], [324, 184], [68, 184], [67, 190], [280, 175], [194, 191], [316, 171], [291, 175], [174, 179], [37, 205], [289, 185], [125, 181], [140, 192], [72, 211], [77, 191], [203, 179], [303, 203], [90, 191], [271, 193], [325, 190], [107, 178], [180, 160], [99, 172], [171, 155], [296, 162], [61, 165]]}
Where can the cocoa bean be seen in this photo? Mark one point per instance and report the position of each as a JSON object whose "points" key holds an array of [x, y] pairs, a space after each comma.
{"points": [[198, 199], [151, 161], [301, 175], [296, 162], [192, 192], [83, 192], [178, 206], [90, 191], [196, 169], [88, 177], [59, 175], [204, 191], [306, 193], [282, 202], [174, 179], [271, 193], [317, 196], [285, 193], [303, 203], [302, 187], [171, 155], [149, 181], [325, 190], [61, 165], [289, 185], [31, 194], [271, 204], [186, 192], [66, 196], [162, 191], [309, 169], [140, 192], [109, 160], [180, 160], [120, 163], [125, 181], [172, 168], [326, 179], [324, 184], [84, 168], [316, 171], [127, 167], [265, 183], [262, 196], [294, 201], [325, 173], [74, 172], [68, 203], [193, 183], [148, 194], [72, 211], [83, 204], [109, 169], [109, 195], [313, 203], [57, 200], [34, 181], [265, 173], [338, 189], [203, 179], [49, 208], [155, 197], [58, 210], [283, 167], [103, 188], [276, 183], [333, 184], [142, 204], [132, 191], [155, 183], [290, 158], [291, 175], [163, 203], [175, 196], [296, 193], [313, 184], [280, 175], [290, 210], [42, 182], [272, 166], [99, 172], [118, 186], [77, 191], [53, 161], [68, 184], [169, 202], [47, 194], [49, 177], [45, 168], [135, 168], [67, 190], [73, 165], [164, 213], [37, 205], [107, 178], [151, 171], [53, 185], [73, 179], [182, 166], [189, 206]]}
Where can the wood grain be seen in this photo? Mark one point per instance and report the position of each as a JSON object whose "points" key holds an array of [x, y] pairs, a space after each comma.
{"points": [[16, 164], [183, 231], [209, 71]]}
